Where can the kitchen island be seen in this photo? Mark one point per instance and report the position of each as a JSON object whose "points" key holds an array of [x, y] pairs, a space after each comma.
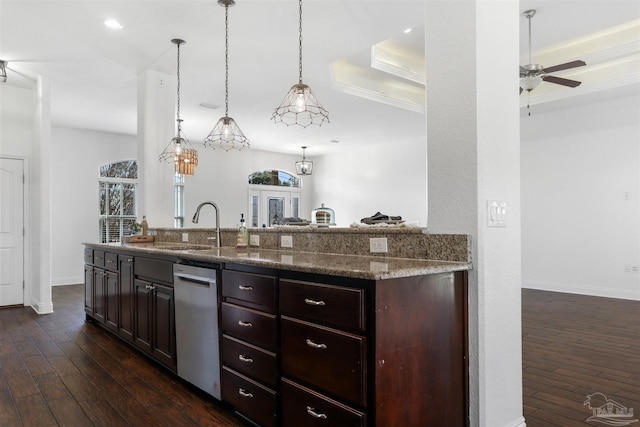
{"points": [[305, 337]]}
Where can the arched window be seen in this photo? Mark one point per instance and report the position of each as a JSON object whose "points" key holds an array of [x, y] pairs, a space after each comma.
{"points": [[274, 197], [117, 199]]}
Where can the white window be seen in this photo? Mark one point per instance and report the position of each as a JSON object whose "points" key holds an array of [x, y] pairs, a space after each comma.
{"points": [[117, 200]]}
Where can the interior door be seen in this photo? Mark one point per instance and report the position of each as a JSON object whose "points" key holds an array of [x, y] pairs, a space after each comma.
{"points": [[11, 232]]}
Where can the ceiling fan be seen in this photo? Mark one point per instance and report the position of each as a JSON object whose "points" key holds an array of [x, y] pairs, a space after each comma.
{"points": [[531, 75]]}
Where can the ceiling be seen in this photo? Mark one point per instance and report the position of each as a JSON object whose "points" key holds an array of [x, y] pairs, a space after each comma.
{"points": [[93, 69]]}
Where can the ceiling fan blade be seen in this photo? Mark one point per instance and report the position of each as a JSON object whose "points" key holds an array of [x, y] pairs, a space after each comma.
{"points": [[561, 81], [565, 66]]}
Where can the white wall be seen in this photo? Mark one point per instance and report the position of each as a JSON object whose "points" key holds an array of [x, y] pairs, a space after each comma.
{"points": [[578, 231], [76, 158], [222, 177], [357, 182]]}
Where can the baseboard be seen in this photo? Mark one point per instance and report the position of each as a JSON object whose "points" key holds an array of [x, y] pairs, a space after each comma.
{"points": [[59, 281], [582, 290], [520, 422], [41, 308]]}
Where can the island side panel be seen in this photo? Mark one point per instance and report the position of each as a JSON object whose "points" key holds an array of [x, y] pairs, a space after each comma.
{"points": [[420, 362]]}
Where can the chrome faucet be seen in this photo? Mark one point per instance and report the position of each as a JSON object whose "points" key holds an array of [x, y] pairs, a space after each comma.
{"points": [[196, 216]]}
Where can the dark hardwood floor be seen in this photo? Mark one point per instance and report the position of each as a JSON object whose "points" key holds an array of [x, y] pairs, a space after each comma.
{"points": [[56, 369], [574, 346]]}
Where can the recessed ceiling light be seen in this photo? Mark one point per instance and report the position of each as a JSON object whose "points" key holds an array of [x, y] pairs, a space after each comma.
{"points": [[113, 24], [407, 31]]}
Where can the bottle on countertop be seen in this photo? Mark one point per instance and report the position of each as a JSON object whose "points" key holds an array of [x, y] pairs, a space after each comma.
{"points": [[242, 240], [144, 226]]}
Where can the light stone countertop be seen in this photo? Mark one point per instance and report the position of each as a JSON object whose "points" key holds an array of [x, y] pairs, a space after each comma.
{"points": [[363, 267]]}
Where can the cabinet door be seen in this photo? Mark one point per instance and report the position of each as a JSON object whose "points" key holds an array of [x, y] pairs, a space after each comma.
{"points": [[88, 289], [142, 315], [99, 304], [164, 327], [111, 299], [125, 297]]}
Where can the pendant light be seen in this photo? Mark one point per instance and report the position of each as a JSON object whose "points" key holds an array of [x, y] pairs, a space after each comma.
{"points": [[226, 134], [304, 166], [179, 150], [300, 106]]}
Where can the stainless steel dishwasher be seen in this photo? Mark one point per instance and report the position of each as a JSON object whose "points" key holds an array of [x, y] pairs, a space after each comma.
{"points": [[196, 305]]}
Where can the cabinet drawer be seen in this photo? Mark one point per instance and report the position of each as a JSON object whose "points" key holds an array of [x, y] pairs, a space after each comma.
{"points": [[330, 359], [253, 288], [250, 398], [111, 261], [88, 256], [250, 325], [250, 360], [304, 407], [154, 269], [98, 258], [333, 305]]}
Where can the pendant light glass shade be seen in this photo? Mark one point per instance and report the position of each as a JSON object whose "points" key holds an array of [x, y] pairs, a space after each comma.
{"points": [[226, 134], [180, 150], [304, 166], [300, 106]]}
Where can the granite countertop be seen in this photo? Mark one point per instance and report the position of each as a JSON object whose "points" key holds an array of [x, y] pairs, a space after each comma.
{"points": [[363, 267]]}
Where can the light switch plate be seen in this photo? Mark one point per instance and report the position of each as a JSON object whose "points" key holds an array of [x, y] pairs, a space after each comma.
{"points": [[496, 213], [185, 237], [254, 239]]}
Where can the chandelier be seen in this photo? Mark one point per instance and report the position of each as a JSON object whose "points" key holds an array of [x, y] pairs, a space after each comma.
{"points": [[300, 106], [226, 134], [179, 150]]}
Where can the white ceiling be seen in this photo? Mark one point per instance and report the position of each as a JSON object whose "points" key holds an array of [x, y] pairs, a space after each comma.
{"points": [[93, 70]]}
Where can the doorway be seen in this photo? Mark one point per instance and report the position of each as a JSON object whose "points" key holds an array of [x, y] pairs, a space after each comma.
{"points": [[11, 231]]}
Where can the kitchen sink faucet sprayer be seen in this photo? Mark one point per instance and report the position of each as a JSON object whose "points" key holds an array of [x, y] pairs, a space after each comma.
{"points": [[196, 216]]}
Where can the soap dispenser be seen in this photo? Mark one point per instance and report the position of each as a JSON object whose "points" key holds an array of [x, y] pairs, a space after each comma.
{"points": [[242, 240]]}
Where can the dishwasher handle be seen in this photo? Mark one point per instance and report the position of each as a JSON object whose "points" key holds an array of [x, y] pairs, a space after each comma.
{"points": [[193, 280]]}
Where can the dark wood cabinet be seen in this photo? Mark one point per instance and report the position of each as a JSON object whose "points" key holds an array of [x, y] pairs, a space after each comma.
{"points": [[249, 345], [88, 290], [154, 310], [112, 306], [126, 297], [134, 298]]}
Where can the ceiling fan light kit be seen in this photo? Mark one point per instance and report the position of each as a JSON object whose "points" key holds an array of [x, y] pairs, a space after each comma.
{"points": [[531, 75], [226, 134]]}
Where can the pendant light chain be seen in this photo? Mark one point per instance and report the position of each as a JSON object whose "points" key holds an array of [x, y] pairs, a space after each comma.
{"points": [[178, 93], [300, 41], [226, 60]]}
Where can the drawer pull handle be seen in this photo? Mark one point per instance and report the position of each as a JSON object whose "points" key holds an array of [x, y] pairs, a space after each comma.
{"points": [[314, 345], [245, 324], [245, 359], [311, 411], [109, 261], [244, 393], [245, 288], [129, 259], [313, 302]]}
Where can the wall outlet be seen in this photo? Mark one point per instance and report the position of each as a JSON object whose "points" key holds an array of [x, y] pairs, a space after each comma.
{"points": [[286, 241], [630, 268], [378, 245], [185, 237], [254, 239]]}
